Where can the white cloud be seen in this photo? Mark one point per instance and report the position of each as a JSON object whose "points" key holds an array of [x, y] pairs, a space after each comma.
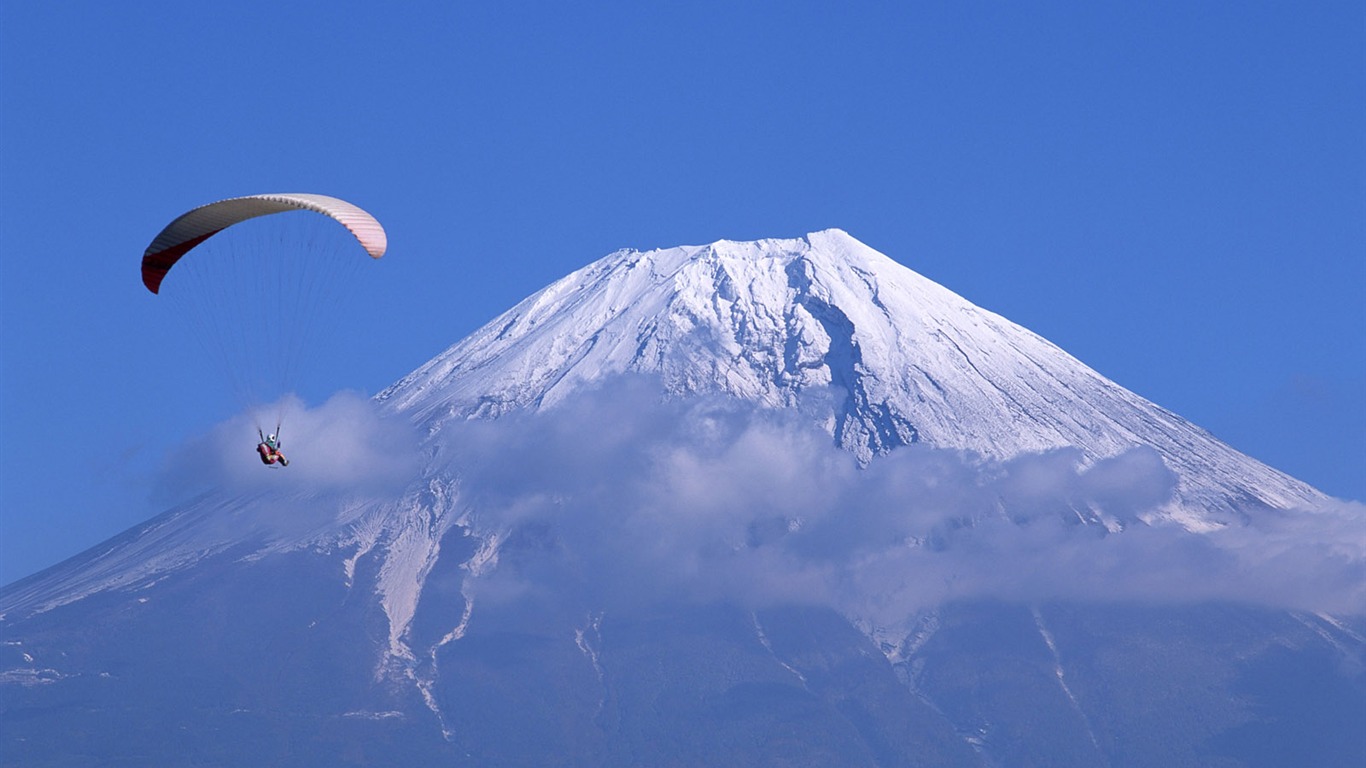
{"points": [[615, 497], [342, 445]]}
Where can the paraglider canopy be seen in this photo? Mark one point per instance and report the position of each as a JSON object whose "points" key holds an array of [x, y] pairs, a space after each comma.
{"points": [[194, 227]]}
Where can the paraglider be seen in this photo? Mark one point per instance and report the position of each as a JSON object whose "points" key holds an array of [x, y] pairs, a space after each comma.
{"points": [[255, 295], [269, 450]]}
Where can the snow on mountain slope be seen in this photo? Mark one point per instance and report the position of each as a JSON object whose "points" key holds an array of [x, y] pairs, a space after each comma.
{"points": [[770, 321]]}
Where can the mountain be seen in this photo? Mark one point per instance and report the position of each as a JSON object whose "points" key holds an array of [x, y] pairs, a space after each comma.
{"points": [[774, 503]]}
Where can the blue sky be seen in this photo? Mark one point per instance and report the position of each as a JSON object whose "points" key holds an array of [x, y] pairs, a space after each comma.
{"points": [[1174, 194]]}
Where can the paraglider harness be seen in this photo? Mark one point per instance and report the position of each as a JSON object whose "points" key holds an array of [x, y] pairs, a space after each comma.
{"points": [[269, 448]]}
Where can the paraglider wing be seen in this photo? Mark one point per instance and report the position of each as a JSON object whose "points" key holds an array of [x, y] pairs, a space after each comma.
{"points": [[192, 228]]}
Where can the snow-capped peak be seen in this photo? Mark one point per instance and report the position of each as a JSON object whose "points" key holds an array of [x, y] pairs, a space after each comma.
{"points": [[907, 360]]}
